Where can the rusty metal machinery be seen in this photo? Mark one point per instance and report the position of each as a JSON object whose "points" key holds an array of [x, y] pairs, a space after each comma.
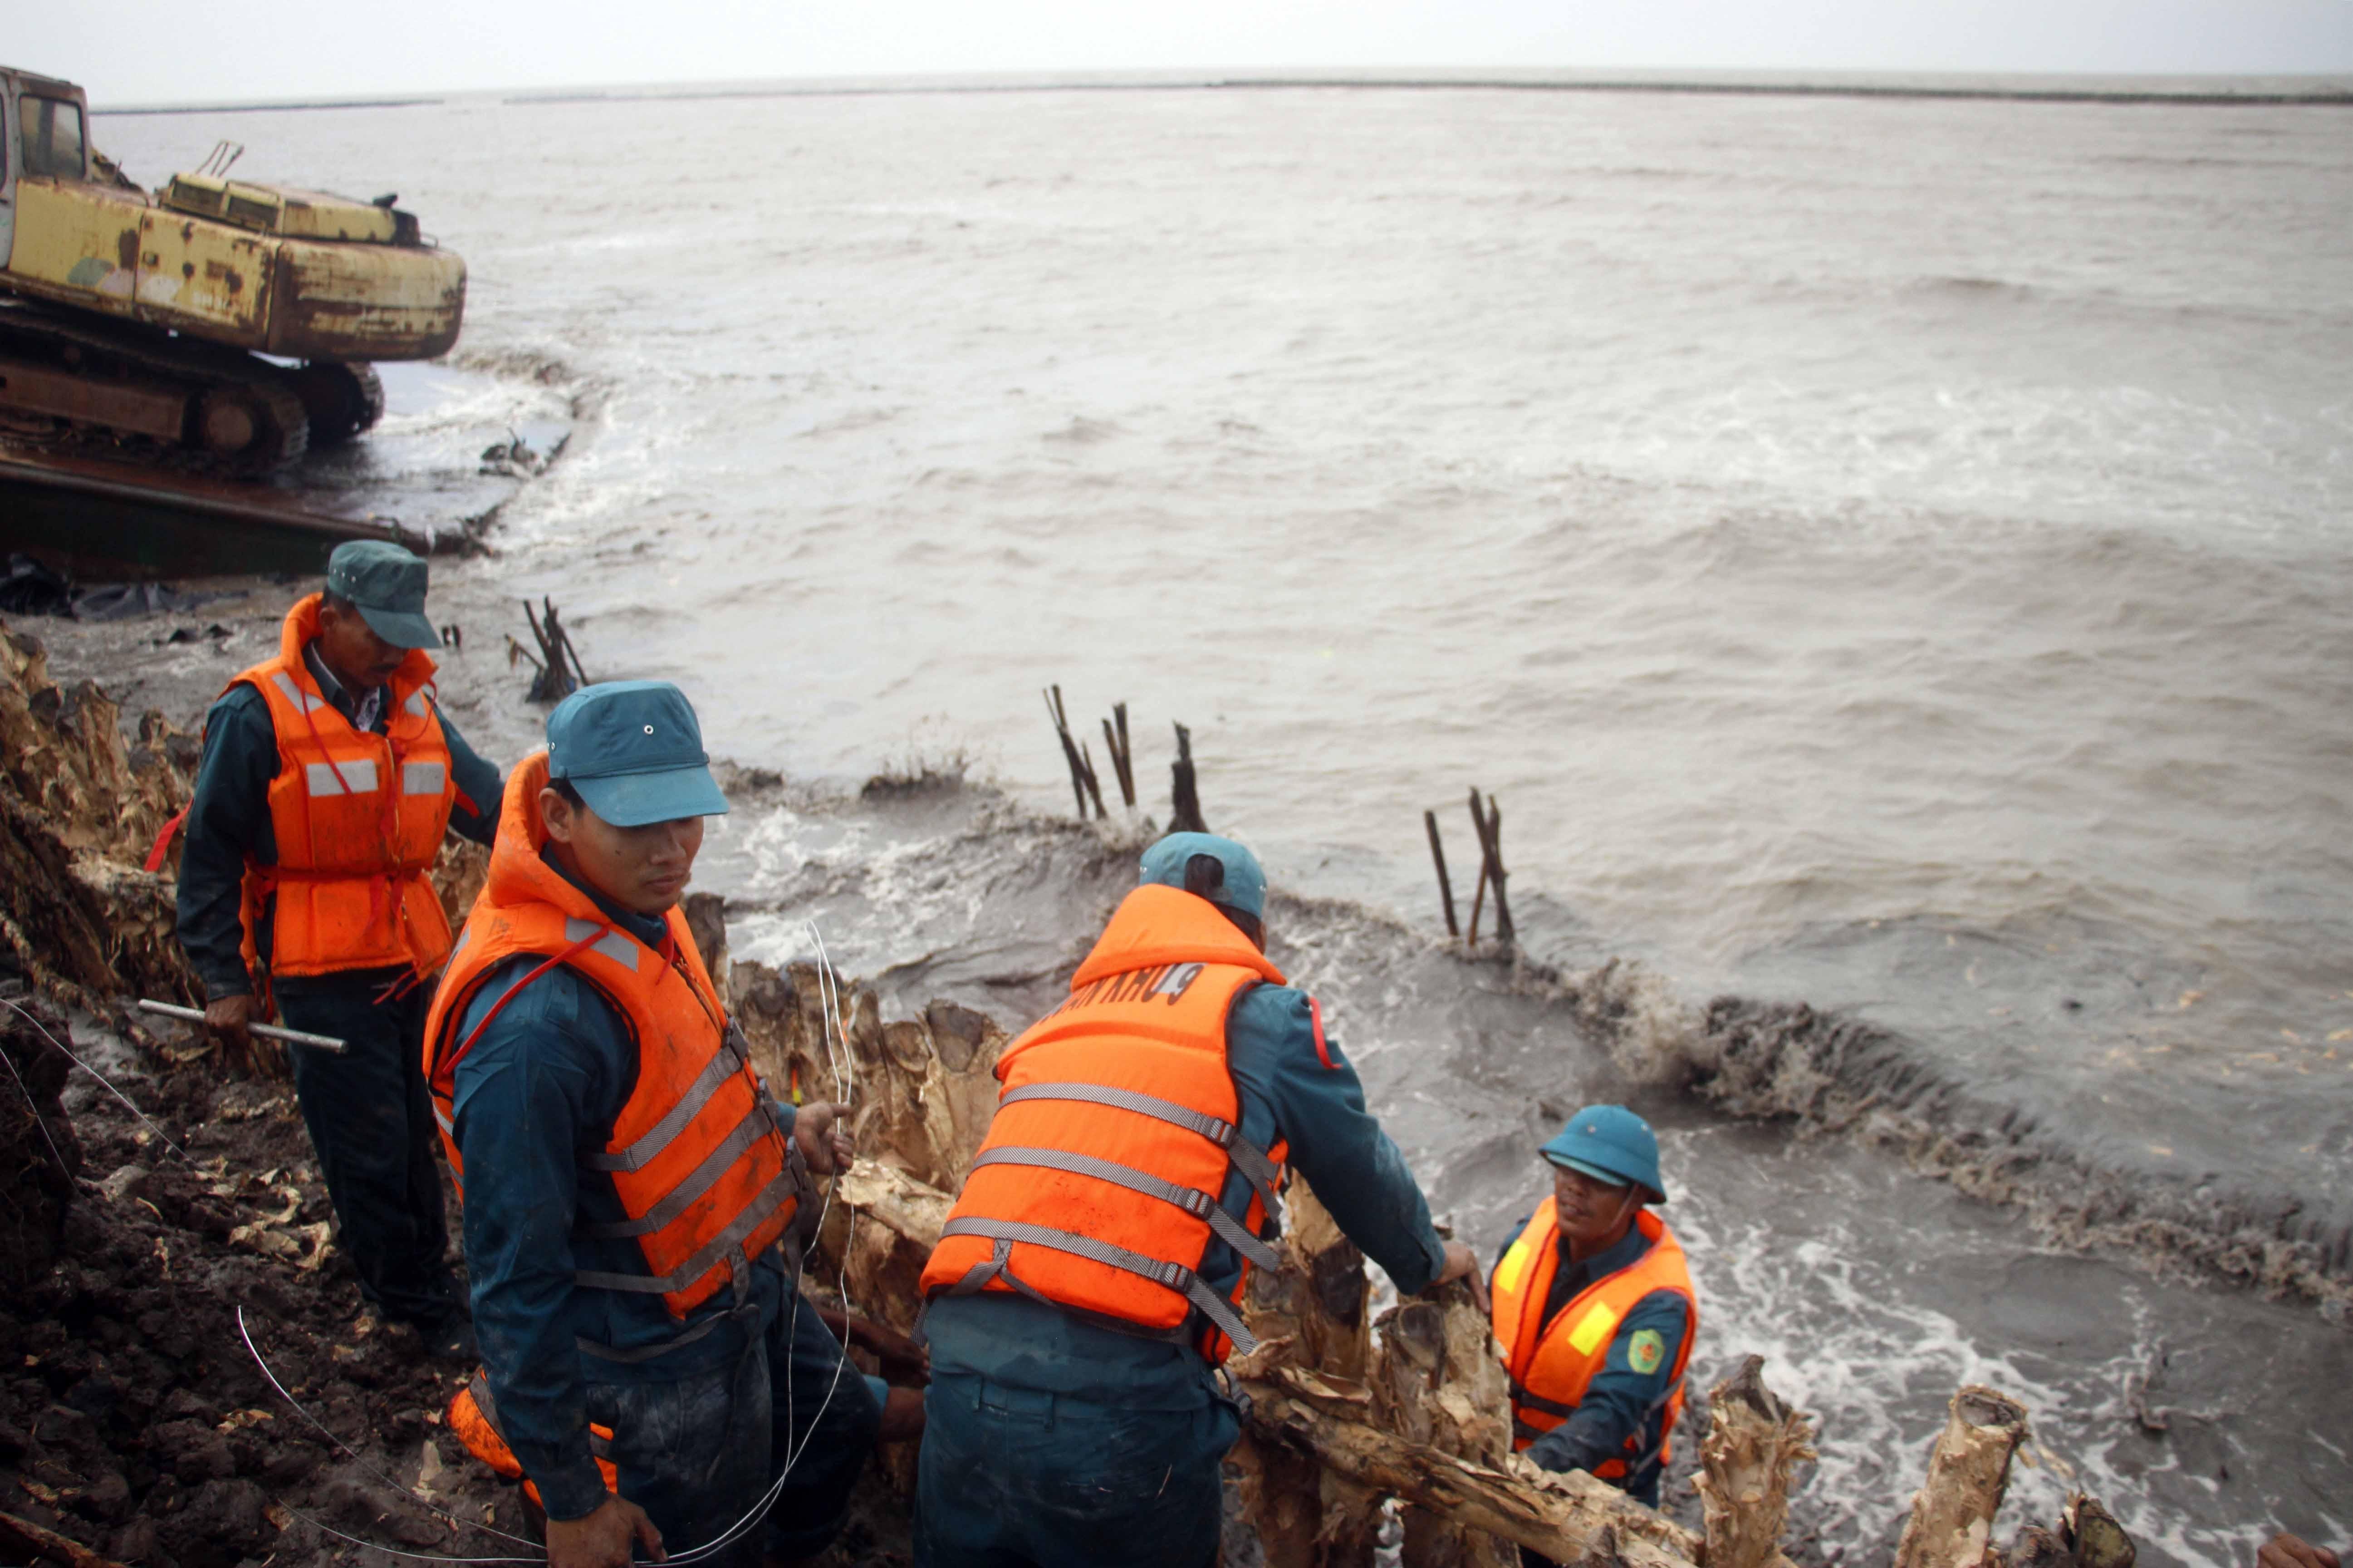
{"points": [[136, 324]]}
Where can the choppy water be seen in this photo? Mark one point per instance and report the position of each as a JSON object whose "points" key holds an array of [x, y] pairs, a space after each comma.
{"points": [[1891, 555]]}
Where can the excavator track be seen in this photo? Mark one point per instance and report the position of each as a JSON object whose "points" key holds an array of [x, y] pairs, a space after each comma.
{"points": [[147, 397], [343, 400]]}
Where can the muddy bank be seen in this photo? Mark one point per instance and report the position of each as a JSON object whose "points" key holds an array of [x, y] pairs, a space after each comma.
{"points": [[132, 1416]]}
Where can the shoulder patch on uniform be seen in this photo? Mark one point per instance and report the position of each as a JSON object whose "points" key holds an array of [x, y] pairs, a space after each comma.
{"points": [[1647, 1350], [1322, 1046]]}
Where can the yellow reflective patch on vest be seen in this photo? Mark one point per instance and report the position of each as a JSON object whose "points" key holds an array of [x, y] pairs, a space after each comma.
{"points": [[1593, 1329], [1514, 1266]]}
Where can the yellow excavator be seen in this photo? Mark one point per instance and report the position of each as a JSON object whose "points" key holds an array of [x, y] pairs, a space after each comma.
{"points": [[136, 324]]}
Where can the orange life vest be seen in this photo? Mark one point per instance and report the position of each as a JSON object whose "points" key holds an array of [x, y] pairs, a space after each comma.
{"points": [[1552, 1364], [474, 1418], [359, 820], [1099, 1187], [696, 1156]]}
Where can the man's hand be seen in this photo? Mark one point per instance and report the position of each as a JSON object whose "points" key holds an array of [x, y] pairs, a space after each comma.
{"points": [[2285, 1550], [602, 1538], [1462, 1264], [231, 1017], [823, 1142]]}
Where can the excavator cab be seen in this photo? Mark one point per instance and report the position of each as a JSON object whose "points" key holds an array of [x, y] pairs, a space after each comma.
{"points": [[49, 135], [136, 322], [43, 132]]}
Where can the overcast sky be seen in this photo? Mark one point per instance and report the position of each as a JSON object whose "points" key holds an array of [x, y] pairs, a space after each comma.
{"points": [[144, 51]]}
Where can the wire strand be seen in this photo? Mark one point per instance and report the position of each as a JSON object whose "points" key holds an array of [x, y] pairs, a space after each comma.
{"points": [[101, 1078], [255, 1351], [40, 1120]]}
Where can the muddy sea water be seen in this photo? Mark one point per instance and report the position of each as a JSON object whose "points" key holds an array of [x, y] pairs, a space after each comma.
{"points": [[1890, 555]]}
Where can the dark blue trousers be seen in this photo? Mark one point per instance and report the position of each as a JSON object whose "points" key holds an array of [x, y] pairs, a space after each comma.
{"points": [[699, 1453], [1015, 1479], [372, 1124]]}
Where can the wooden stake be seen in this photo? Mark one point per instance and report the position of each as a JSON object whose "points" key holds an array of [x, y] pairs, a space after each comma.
{"points": [[1489, 824], [1082, 771], [1185, 804], [1445, 888], [1122, 761]]}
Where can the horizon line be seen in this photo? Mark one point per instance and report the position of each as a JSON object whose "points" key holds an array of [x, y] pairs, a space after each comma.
{"points": [[2324, 90]]}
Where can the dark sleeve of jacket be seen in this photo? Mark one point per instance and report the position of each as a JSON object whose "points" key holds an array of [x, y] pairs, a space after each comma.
{"points": [[547, 1069], [475, 812], [1619, 1402], [229, 822], [1277, 1053]]}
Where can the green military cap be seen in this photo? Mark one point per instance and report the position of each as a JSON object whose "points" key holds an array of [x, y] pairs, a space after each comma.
{"points": [[634, 750], [388, 584]]}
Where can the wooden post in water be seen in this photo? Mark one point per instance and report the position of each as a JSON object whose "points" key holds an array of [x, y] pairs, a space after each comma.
{"points": [[1185, 803], [1489, 823], [1083, 767], [1123, 759], [1445, 888]]}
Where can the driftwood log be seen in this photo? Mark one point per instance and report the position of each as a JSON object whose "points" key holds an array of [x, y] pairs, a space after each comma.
{"points": [[1754, 1445], [1952, 1518]]}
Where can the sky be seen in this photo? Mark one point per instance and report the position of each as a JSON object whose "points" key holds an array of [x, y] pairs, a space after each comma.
{"points": [[147, 51]]}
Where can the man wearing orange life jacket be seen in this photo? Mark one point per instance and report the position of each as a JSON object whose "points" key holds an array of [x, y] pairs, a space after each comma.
{"points": [[648, 1361], [1084, 1289], [1595, 1308], [330, 777]]}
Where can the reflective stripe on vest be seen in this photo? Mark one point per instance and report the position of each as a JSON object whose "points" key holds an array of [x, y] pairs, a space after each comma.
{"points": [[1102, 1180], [701, 1167], [1552, 1364], [349, 884]]}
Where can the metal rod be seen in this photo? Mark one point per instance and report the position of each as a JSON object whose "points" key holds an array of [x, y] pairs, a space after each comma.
{"points": [[267, 1031]]}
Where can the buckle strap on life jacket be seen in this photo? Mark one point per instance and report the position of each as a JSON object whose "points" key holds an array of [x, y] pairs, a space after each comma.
{"points": [[772, 1197], [1192, 1200], [1171, 1276], [1523, 1395], [746, 1306], [757, 1123], [1252, 1161]]}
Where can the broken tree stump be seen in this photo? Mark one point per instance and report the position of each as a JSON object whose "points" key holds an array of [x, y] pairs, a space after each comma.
{"points": [[1952, 1518], [1439, 1382], [1754, 1445], [1312, 1312]]}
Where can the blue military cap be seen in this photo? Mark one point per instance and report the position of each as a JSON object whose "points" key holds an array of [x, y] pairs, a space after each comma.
{"points": [[1610, 1143], [634, 750], [388, 585], [1242, 886]]}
